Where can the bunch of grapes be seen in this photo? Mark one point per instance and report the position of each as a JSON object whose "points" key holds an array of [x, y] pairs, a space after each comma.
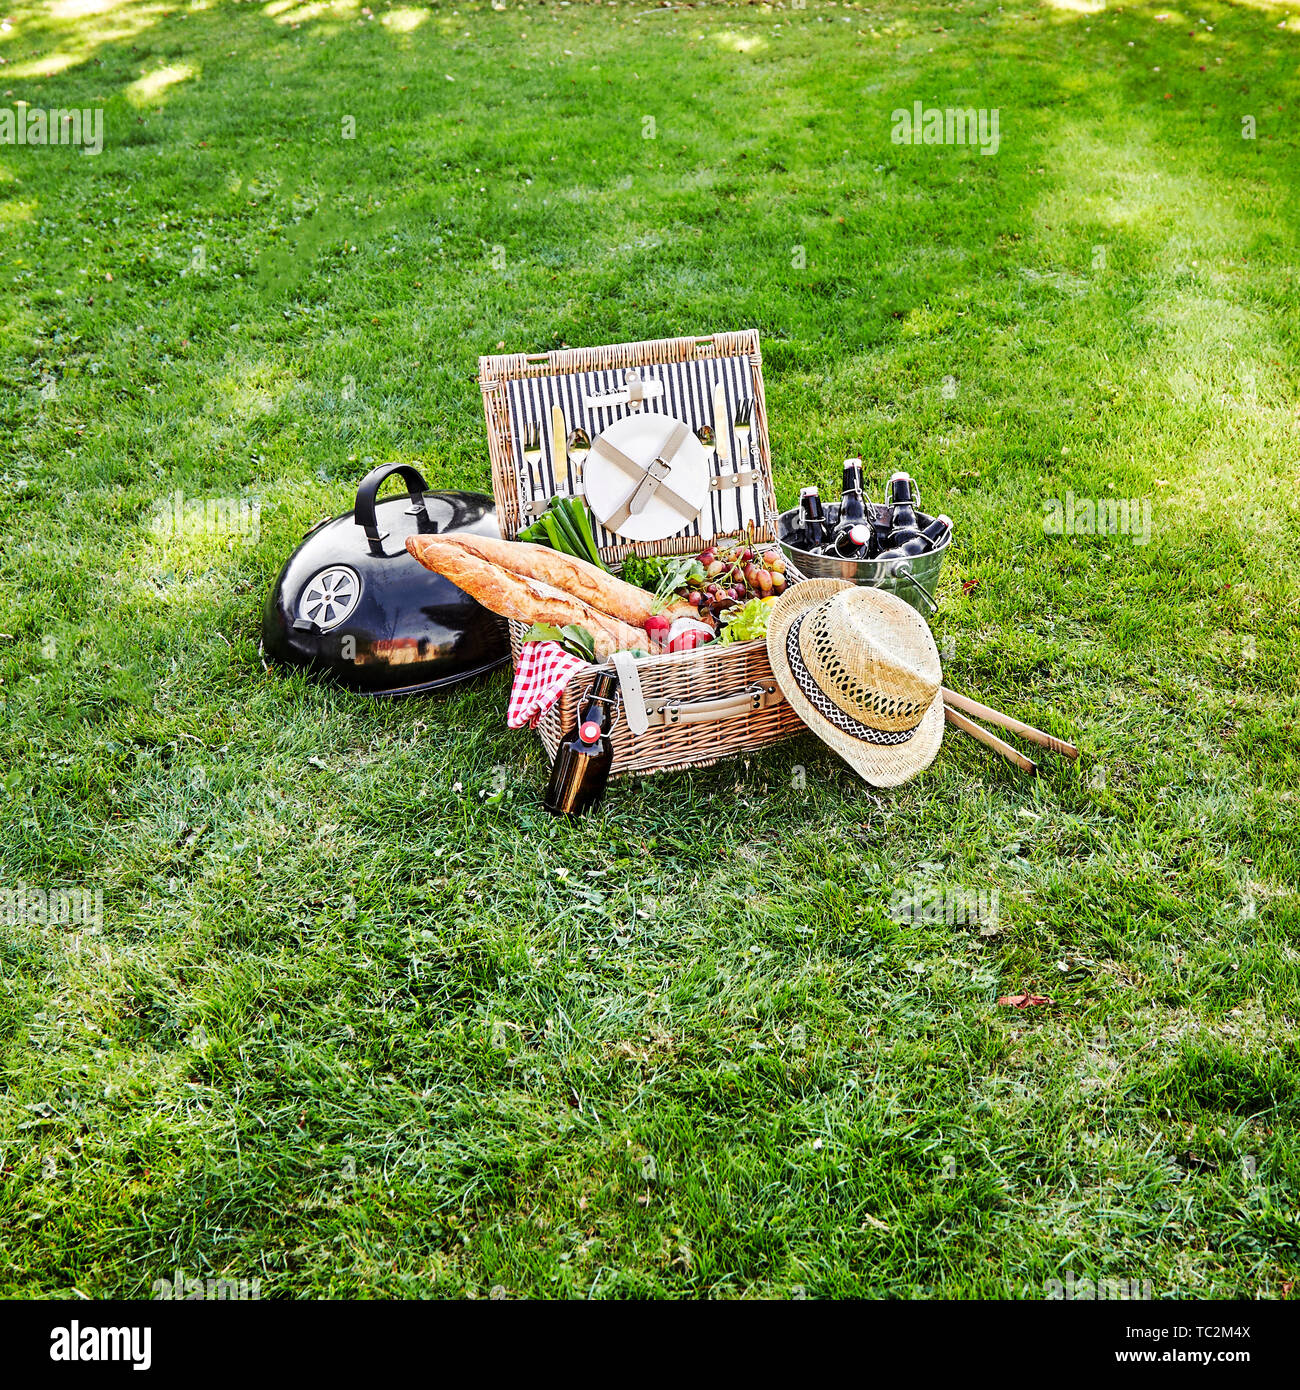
{"points": [[734, 574]]}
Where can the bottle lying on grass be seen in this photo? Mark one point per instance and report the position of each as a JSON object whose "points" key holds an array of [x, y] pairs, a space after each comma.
{"points": [[580, 771]]}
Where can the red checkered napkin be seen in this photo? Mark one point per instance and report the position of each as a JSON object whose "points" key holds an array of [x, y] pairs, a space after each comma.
{"points": [[544, 669]]}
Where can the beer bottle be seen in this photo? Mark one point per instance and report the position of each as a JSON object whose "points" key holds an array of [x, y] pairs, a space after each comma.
{"points": [[582, 761], [855, 542], [810, 514], [902, 512], [933, 535], [852, 507], [878, 518]]}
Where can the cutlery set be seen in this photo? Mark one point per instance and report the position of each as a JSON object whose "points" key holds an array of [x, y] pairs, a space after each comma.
{"points": [[532, 443], [570, 450], [568, 457], [742, 426]]}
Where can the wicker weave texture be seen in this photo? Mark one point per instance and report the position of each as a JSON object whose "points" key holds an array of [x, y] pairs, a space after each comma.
{"points": [[711, 672]]}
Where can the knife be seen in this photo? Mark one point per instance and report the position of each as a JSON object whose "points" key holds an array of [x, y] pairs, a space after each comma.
{"points": [[559, 448]]}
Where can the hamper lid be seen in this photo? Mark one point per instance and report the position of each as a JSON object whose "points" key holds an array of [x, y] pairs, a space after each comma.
{"points": [[352, 603], [706, 383]]}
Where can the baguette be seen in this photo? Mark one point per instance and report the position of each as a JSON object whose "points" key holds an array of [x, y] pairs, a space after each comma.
{"points": [[604, 592], [521, 597]]}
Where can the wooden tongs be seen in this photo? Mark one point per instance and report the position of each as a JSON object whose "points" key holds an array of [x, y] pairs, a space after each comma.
{"points": [[953, 707]]}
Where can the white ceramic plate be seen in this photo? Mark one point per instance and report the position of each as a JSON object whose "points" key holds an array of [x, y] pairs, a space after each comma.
{"points": [[641, 437]]}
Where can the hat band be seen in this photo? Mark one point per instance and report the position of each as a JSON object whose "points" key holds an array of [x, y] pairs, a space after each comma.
{"points": [[826, 707]]}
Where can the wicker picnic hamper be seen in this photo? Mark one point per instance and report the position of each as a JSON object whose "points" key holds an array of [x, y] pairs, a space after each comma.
{"points": [[705, 704]]}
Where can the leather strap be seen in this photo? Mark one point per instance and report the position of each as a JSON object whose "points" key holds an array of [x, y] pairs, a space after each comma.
{"points": [[726, 480], [611, 454], [756, 697], [629, 683]]}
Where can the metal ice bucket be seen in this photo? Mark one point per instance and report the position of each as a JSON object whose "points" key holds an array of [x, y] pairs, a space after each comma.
{"points": [[913, 579]]}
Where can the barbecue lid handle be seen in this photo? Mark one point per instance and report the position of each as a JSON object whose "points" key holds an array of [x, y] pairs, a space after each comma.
{"points": [[364, 511]]}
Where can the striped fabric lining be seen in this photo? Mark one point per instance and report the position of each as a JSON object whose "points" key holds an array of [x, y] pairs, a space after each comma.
{"points": [[687, 396]]}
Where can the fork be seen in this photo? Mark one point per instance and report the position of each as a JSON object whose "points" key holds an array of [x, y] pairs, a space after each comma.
{"points": [[742, 427], [533, 459], [579, 447]]}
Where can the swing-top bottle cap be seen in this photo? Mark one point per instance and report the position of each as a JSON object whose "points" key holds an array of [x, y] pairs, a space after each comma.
{"points": [[902, 488]]}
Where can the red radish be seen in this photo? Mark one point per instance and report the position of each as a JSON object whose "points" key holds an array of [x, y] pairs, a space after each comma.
{"points": [[658, 622]]}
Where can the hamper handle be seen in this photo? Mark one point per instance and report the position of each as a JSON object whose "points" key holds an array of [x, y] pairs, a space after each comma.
{"points": [[754, 697]]}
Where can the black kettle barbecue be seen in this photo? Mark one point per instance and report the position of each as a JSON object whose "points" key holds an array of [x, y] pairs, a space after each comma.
{"points": [[353, 603]]}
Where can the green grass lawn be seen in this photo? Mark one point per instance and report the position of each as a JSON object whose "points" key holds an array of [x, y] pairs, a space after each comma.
{"points": [[354, 1025]]}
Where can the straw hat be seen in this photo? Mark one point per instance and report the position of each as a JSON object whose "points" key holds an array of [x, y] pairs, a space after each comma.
{"points": [[860, 668]]}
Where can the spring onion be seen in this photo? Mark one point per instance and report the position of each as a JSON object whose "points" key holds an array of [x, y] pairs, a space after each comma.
{"points": [[565, 526]]}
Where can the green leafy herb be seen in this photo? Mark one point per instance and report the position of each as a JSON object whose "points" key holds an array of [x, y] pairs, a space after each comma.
{"points": [[675, 576], [663, 575], [574, 639], [649, 571], [747, 621], [638, 570]]}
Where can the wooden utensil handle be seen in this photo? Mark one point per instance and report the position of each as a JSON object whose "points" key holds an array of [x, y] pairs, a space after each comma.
{"points": [[991, 740], [1005, 721]]}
